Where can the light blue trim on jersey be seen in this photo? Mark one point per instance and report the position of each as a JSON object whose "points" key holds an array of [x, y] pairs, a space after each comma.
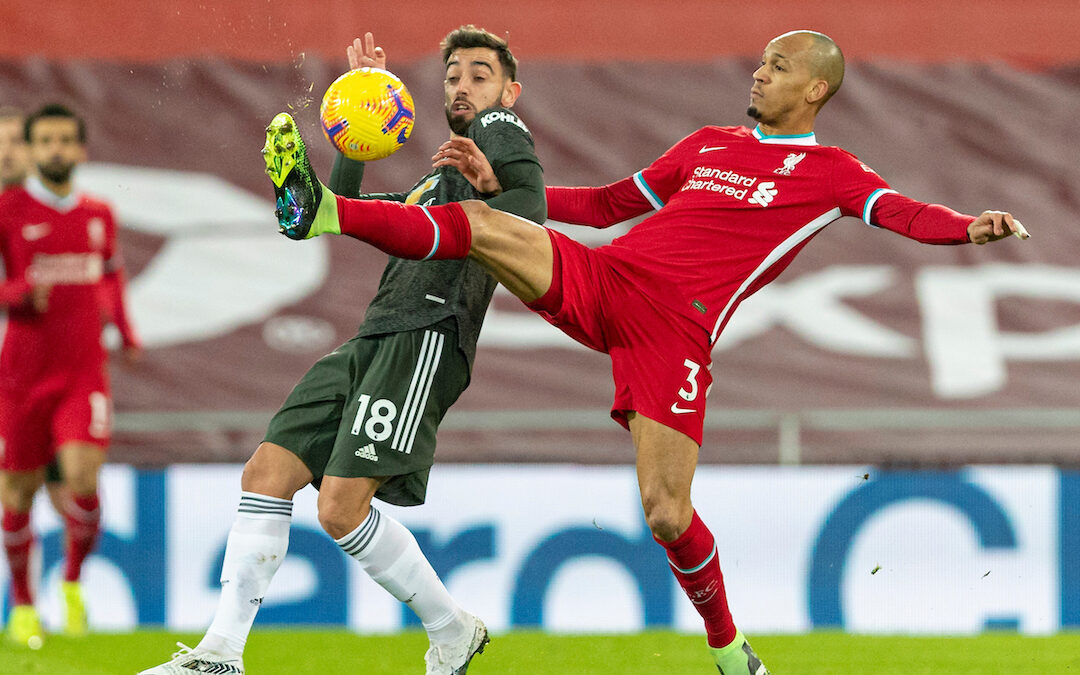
{"points": [[434, 246], [639, 181], [695, 569], [785, 139], [871, 200]]}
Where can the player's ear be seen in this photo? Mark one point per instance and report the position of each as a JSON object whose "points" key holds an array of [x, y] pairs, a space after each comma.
{"points": [[817, 91], [510, 94]]}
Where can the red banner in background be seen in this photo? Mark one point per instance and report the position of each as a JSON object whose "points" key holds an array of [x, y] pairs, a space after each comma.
{"points": [[1032, 33], [869, 348]]}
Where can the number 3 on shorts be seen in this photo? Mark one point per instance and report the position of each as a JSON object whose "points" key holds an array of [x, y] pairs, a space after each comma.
{"points": [[380, 424], [691, 379]]}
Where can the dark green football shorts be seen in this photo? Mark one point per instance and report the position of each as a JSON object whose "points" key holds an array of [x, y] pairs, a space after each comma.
{"points": [[371, 409]]}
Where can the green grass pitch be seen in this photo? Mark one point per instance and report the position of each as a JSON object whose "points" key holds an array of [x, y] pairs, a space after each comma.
{"points": [[273, 652]]}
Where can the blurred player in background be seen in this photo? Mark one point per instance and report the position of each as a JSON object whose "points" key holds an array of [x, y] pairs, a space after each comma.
{"points": [[63, 277], [362, 422], [14, 166], [733, 207]]}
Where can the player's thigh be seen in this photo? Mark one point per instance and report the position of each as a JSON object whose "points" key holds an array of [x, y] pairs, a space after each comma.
{"points": [[307, 423], [516, 251], [390, 422]]}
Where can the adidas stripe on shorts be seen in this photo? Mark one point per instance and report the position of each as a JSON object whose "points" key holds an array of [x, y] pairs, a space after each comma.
{"points": [[371, 408]]}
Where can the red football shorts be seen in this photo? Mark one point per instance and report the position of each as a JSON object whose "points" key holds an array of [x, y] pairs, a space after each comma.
{"points": [[659, 359], [37, 419]]}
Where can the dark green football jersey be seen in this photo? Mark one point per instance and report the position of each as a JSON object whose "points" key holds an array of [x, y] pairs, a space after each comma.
{"points": [[413, 294]]}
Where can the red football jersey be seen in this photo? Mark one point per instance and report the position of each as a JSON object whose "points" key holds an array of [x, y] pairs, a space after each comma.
{"points": [[69, 244], [733, 207]]}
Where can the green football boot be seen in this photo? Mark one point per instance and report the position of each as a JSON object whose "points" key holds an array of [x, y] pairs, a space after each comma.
{"points": [[738, 658], [305, 207], [24, 627], [74, 609]]}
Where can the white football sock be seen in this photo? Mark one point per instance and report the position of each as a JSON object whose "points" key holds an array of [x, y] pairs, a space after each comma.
{"points": [[256, 546], [388, 552]]}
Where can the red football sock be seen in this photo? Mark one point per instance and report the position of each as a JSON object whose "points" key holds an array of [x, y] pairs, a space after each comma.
{"points": [[18, 538], [407, 230], [83, 520], [693, 561]]}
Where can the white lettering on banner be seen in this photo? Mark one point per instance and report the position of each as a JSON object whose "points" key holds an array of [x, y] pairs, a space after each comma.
{"points": [[526, 555], [966, 351], [812, 306], [220, 268]]}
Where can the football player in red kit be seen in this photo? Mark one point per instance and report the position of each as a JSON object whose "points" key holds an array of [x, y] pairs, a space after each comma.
{"points": [[733, 206], [63, 276]]}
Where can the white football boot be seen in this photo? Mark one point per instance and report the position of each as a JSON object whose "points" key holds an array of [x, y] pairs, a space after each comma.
{"points": [[188, 661]]}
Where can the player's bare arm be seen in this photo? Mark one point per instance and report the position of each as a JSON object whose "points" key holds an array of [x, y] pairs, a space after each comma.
{"points": [[994, 226]]}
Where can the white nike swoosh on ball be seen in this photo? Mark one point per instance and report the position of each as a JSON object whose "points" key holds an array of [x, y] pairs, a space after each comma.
{"points": [[706, 148]]}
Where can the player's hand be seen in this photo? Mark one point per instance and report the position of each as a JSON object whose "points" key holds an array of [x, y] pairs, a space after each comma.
{"points": [[364, 54], [464, 155], [39, 298], [995, 225]]}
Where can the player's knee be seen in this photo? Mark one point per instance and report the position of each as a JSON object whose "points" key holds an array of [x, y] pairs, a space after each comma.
{"points": [[337, 517], [17, 492], [479, 215], [271, 471], [664, 516]]}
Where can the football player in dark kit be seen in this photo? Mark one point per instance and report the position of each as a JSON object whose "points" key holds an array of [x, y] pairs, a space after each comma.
{"points": [[362, 422]]}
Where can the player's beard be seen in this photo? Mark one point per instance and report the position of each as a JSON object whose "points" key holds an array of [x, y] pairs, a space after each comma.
{"points": [[752, 111], [458, 124], [56, 172]]}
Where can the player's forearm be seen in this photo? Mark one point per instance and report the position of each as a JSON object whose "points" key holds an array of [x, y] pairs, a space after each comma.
{"points": [[596, 206], [523, 191], [116, 301], [927, 223], [346, 176]]}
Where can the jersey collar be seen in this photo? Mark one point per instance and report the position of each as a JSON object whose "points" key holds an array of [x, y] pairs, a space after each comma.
{"points": [[781, 139], [46, 196]]}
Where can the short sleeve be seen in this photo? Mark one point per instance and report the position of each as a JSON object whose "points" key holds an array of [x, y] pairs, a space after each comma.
{"points": [[857, 187], [663, 178]]}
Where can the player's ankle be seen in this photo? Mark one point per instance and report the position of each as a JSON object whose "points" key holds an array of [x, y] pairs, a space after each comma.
{"points": [[326, 217], [221, 645]]}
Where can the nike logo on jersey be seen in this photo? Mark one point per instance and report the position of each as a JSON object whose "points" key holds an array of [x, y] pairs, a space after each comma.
{"points": [[680, 411], [35, 231], [710, 148]]}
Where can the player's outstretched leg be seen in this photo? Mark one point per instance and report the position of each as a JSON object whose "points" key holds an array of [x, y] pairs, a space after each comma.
{"points": [[188, 661], [305, 207], [454, 659], [738, 658]]}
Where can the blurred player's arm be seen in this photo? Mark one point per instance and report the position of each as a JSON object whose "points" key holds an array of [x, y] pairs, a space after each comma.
{"points": [[21, 294], [113, 296]]}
